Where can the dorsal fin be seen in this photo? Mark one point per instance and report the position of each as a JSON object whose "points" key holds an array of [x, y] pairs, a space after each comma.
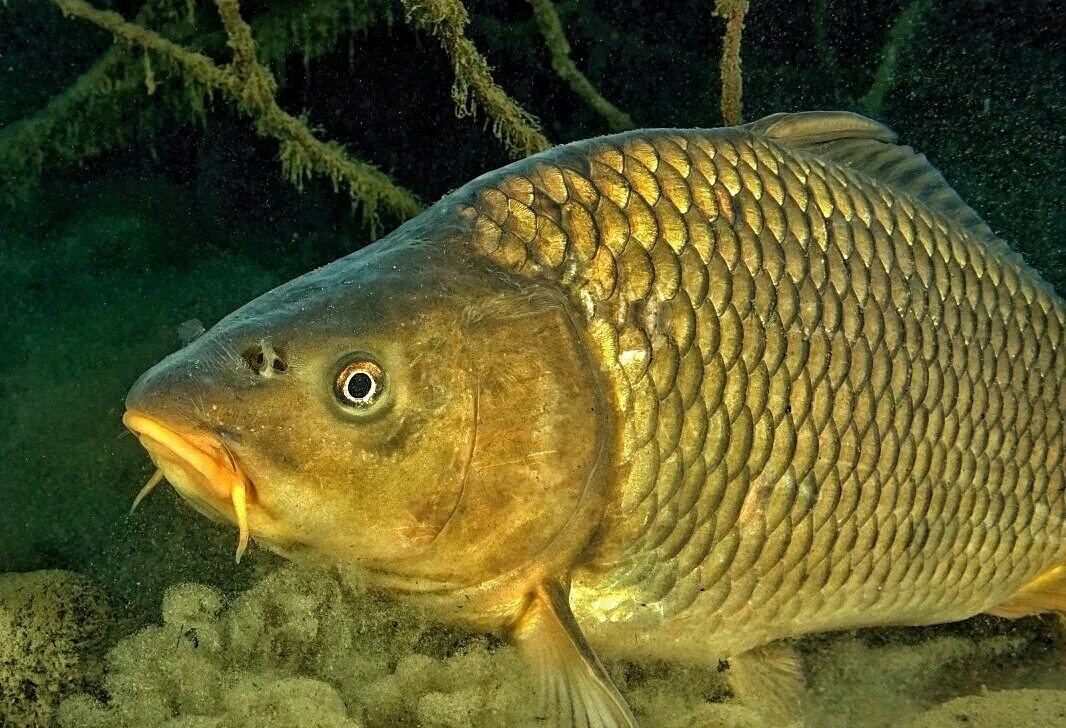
{"points": [[870, 147]]}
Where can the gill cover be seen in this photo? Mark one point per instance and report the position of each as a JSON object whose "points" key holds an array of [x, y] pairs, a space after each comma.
{"points": [[534, 488]]}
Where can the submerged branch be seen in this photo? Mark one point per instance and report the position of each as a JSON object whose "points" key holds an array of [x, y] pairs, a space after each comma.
{"points": [[197, 65], [104, 106], [555, 39], [90, 115], [732, 80], [248, 82], [899, 39], [26, 145], [820, 28], [474, 87]]}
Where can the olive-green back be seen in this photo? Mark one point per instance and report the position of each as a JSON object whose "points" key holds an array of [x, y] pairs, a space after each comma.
{"points": [[840, 397]]}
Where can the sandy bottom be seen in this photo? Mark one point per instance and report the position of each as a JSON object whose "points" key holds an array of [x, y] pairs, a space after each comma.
{"points": [[299, 648]]}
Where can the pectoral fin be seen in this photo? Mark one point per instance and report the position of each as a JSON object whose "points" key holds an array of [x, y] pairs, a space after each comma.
{"points": [[573, 684], [769, 679]]}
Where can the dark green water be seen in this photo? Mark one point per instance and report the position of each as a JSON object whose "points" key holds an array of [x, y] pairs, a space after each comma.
{"points": [[125, 213]]}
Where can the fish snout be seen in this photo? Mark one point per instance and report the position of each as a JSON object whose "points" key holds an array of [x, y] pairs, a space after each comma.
{"points": [[179, 383], [200, 467], [171, 390], [168, 410], [175, 411]]}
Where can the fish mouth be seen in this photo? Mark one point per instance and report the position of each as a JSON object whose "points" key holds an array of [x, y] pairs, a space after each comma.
{"points": [[200, 467]]}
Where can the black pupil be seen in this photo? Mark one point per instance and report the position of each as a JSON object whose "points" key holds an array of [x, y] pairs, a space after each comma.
{"points": [[360, 385]]}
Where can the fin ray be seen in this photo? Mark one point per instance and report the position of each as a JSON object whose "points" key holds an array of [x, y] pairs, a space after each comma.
{"points": [[1045, 593], [574, 685], [770, 679], [870, 147]]}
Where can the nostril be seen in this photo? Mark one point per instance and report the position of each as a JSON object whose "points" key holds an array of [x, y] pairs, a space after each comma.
{"points": [[253, 356], [264, 359]]}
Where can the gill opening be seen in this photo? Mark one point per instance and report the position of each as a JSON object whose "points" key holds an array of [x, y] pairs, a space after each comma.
{"points": [[469, 460]]}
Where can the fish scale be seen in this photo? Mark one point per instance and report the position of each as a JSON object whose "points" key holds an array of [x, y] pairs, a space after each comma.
{"points": [[837, 405]]}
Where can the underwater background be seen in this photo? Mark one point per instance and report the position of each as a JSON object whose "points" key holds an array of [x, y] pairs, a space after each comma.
{"points": [[134, 198]]}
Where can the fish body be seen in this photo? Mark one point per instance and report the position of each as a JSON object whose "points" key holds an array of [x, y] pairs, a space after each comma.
{"points": [[839, 404], [669, 394]]}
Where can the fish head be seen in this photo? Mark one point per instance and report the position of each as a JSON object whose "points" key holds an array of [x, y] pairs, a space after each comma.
{"points": [[431, 421]]}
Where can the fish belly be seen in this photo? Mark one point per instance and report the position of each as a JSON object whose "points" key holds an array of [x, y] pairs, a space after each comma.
{"points": [[835, 406]]}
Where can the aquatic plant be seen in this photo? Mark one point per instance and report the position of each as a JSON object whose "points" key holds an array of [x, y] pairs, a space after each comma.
{"points": [[105, 106], [166, 52], [301, 647], [305, 647]]}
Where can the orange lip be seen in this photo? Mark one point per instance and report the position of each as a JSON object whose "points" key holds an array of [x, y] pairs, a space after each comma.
{"points": [[199, 467]]}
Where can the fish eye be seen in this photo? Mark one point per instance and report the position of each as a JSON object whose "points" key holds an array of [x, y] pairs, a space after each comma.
{"points": [[359, 384]]}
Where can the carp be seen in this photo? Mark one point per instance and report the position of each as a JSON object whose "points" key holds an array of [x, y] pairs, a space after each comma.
{"points": [[668, 394]]}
